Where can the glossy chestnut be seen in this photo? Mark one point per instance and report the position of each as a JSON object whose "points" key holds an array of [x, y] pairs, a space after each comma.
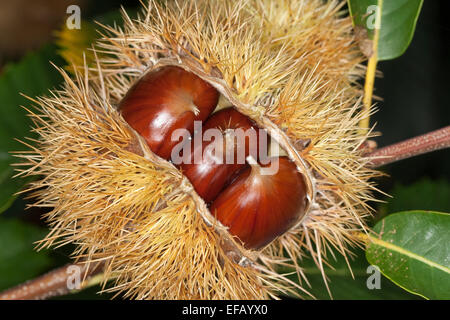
{"points": [[259, 206], [164, 100], [214, 161]]}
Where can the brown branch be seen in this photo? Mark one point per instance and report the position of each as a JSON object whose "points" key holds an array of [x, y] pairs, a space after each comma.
{"points": [[435, 140], [54, 283]]}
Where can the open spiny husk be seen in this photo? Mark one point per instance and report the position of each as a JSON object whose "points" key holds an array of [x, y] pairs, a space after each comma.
{"points": [[289, 65]]}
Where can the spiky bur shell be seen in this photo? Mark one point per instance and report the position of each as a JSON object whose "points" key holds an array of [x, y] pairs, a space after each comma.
{"points": [[289, 65]]}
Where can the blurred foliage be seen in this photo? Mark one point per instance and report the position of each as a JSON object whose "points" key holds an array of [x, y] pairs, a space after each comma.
{"points": [[75, 45], [32, 76], [425, 194], [18, 259]]}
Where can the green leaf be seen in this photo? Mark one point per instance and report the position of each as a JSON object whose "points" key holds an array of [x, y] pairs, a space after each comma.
{"points": [[343, 286], [18, 259], [397, 23], [412, 249], [32, 76]]}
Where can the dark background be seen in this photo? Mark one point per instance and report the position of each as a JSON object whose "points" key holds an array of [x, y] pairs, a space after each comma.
{"points": [[415, 89]]}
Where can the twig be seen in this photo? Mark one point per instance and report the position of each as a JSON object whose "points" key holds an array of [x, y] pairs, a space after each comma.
{"points": [[57, 282], [370, 73], [435, 140]]}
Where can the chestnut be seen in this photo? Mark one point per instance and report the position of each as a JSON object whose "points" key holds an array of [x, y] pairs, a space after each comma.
{"points": [[214, 161], [164, 100], [259, 206]]}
